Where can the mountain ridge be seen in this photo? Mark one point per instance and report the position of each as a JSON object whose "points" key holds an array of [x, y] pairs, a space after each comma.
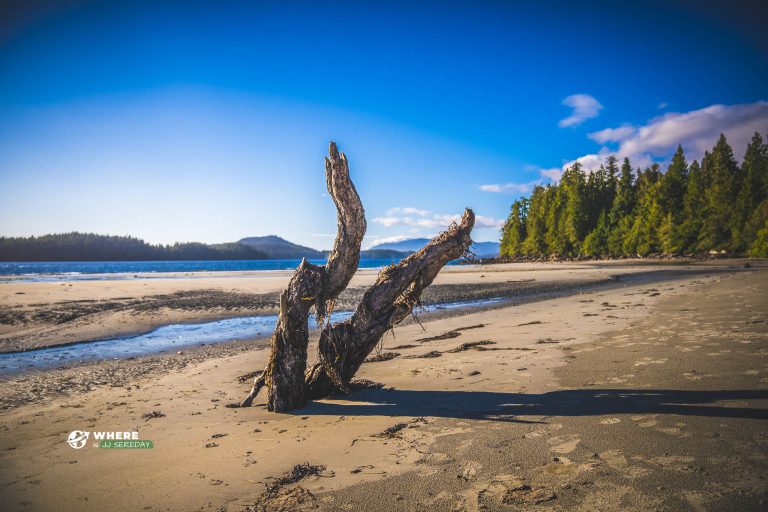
{"points": [[480, 249]]}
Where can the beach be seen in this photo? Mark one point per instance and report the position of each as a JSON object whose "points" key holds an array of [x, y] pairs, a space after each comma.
{"points": [[591, 386]]}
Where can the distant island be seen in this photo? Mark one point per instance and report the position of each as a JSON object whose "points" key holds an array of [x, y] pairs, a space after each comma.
{"points": [[479, 249], [92, 247]]}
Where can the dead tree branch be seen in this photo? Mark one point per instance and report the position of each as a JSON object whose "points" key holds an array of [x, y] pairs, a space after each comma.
{"points": [[312, 285], [343, 347]]}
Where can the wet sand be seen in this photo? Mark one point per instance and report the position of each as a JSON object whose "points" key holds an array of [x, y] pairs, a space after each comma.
{"points": [[42, 314], [641, 396]]}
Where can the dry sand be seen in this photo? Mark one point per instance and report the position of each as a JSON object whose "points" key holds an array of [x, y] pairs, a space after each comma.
{"points": [[648, 396]]}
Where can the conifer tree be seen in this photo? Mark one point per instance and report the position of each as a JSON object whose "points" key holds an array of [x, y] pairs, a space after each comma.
{"points": [[694, 202], [754, 190], [514, 231], [720, 176], [687, 210]]}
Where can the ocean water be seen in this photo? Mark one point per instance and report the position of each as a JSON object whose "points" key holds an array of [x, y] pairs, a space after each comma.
{"points": [[90, 270]]}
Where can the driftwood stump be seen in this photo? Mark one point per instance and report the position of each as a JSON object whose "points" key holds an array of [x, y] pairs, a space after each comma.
{"points": [[344, 346]]}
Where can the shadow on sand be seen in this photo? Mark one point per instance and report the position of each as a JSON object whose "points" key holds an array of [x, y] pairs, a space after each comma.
{"points": [[524, 408]]}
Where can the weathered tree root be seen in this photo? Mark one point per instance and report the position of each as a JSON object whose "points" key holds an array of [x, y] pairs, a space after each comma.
{"points": [[343, 347]]}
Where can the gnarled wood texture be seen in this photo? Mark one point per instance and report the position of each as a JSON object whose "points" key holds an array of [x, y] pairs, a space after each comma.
{"points": [[312, 285], [343, 347]]}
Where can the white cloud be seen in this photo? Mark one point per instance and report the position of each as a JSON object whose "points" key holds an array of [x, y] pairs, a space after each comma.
{"points": [[662, 105], [510, 188], [387, 240], [387, 221], [408, 211], [584, 107], [697, 131], [434, 220], [481, 221], [546, 175], [553, 174], [612, 134]]}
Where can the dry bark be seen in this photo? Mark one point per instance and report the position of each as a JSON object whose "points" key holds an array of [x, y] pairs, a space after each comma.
{"points": [[344, 346], [312, 285]]}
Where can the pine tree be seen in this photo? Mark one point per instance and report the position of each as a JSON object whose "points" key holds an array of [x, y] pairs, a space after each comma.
{"points": [[694, 202], [514, 231], [720, 176], [620, 217], [672, 191], [674, 183], [536, 223], [576, 210], [643, 237], [596, 243], [611, 184], [754, 190]]}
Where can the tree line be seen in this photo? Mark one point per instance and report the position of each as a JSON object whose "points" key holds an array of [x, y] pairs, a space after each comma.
{"points": [[91, 247], [716, 205]]}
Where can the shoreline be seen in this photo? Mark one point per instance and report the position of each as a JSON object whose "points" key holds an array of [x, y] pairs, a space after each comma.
{"points": [[54, 382], [41, 314]]}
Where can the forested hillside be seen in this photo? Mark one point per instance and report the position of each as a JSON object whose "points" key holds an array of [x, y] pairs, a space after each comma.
{"points": [[714, 205], [90, 247]]}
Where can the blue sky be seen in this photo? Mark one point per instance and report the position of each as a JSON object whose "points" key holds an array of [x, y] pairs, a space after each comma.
{"points": [[180, 121]]}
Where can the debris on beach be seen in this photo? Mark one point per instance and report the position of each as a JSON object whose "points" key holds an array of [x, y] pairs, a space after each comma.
{"points": [[468, 327], [445, 336], [428, 355], [248, 376], [291, 500], [384, 356], [526, 495], [277, 498], [392, 431], [360, 384], [150, 415], [471, 345]]}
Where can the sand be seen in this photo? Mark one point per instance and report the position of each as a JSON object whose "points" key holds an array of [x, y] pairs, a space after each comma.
{"points": [[635, 396], [43, 314]]}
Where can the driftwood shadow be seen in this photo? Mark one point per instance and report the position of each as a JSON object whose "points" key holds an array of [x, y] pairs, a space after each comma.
{"points": [[524, 408]]}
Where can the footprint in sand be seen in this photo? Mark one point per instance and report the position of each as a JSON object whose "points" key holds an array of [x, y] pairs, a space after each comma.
{"points": [[610, 421], [563, 444], [645, 421], [614, 458], [470, 471], [673, 431], [647, 360], [561, 466], [673, 462]]}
